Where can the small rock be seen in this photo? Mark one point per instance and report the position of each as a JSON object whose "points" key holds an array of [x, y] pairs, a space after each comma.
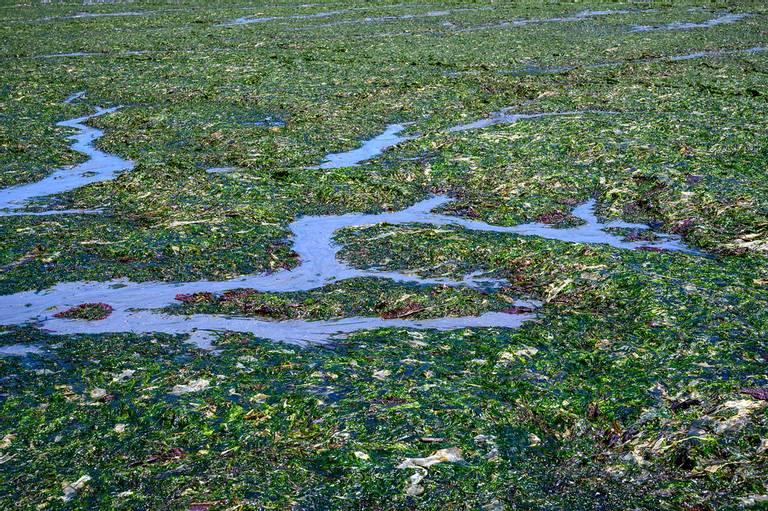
{"points": [[123, 376], [382, 375], [71, 489], [450, 455], [414, 488], [193, 386], [98, 394], [757, 393]]}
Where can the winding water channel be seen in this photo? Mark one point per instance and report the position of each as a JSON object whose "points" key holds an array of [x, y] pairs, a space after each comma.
{"points": [[100, 166], [312, 238], [135, 305]]}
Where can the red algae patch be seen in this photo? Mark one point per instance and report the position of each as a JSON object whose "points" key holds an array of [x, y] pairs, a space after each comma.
{"points": [[518, 310], [195, 297], [87, 311], [553, 217], [648, 248], [404, 311], [237, 294], [312, 238]]}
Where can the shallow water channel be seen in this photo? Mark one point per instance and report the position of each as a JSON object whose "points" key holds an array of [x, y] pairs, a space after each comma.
{"points": [[312, 238], [135, 305], [100, 166]]}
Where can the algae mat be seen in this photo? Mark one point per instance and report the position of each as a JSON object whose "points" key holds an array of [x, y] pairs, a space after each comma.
{"points": [[374, 255]]}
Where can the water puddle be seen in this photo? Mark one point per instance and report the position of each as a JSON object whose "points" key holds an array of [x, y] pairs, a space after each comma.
{"points": [[52, 212], [312, 237], [81, 15], [327, 14], [504, 116], [536, 70], [370, 148], [247, 20], [93, 54], [117, 54], [579, 16], [18, 350], [528, 70], [678, 58], [135, 305], [402, 17], [221, 170], [709, 54], [74, 97], [297, 332], [723, 19], [268, 121], [391, 136], [69, 54], [99, 167]]}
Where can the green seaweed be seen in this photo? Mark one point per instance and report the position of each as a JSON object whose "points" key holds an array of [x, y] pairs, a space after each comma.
{"points": [[625, 392]]}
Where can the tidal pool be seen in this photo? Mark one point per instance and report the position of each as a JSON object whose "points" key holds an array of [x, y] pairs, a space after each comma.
{"points": [[715, 53], [81, 15], [127, 53], [74, 97], [391, 136], [135, 305], [221, 170]]}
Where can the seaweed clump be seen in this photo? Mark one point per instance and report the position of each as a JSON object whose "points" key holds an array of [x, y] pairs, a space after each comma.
{"points": [[86, 311]]}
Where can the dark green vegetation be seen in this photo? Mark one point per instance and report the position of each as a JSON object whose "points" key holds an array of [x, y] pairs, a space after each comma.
{"points": [[87, 311], [626, 393], [356, 297]]}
